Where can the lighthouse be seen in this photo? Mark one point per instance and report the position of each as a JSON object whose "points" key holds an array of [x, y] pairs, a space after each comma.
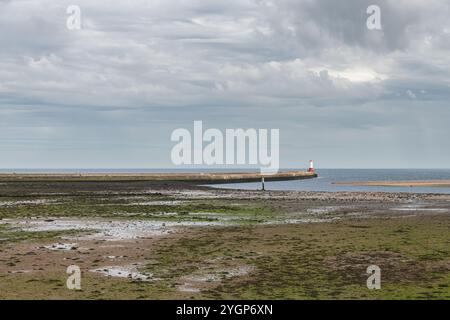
{"points": [[311, 166]]}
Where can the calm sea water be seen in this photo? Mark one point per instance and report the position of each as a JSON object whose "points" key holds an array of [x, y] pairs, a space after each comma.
{"points": [[327, 176], [323, 183]]}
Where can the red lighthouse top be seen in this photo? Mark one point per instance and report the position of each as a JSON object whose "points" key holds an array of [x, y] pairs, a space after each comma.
{"points": [[311, 166]]}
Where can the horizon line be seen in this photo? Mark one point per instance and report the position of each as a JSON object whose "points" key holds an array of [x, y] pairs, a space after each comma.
{"points": [[219, 168]]}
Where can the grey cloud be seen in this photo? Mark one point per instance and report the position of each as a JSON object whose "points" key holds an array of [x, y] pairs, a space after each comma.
{"points": [[140, 69]]}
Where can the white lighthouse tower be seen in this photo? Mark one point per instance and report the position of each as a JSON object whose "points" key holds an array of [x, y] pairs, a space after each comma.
{"points": [[311, 166]]}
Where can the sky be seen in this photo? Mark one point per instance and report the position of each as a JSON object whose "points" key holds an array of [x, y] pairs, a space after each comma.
{"points": [[110, 94]]}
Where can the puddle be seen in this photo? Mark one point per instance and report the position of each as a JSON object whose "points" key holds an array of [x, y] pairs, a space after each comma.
{"points": [[157, 203], [20, 271], [322, 210], [302, 220], [114, 257], [191, 194], [305, 220], [128, 271], [111, 230], [62, 246], [188, 288], [112, 246], [194, 283], [418, 207], [27, 202]]}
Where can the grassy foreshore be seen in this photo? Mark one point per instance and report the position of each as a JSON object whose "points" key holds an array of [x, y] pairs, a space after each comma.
{"points": [[160, 240]]}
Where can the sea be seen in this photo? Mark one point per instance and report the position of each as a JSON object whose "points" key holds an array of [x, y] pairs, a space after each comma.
{"points": [[327, 177], [324, 181]]}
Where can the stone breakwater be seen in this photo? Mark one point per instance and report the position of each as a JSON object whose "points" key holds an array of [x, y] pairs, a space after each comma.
{"points": [[226, 177]]}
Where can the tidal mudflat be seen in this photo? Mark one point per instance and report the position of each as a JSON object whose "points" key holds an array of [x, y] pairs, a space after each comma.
{"points": [[135, 239]]}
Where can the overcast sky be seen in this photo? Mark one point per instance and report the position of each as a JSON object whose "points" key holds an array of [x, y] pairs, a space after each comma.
{"points": [[110, 94]]}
